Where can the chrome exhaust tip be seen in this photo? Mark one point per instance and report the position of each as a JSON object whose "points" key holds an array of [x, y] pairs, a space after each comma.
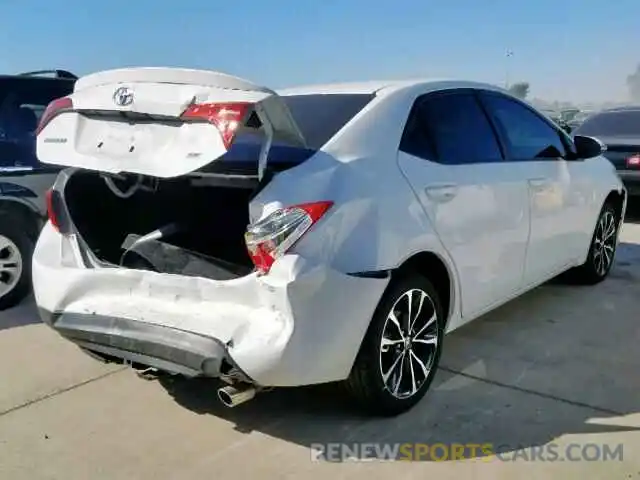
{"points": [[231, 396]]}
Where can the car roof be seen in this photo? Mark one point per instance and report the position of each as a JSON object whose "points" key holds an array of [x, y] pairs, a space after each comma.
{"points": [[376, 86], [51, 75], [35, 80]]}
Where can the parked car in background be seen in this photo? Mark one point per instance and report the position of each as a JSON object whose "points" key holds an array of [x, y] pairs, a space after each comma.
{"points": [[619, 129], [552, 114], [209, 226], [556, 117], [579, 118], [23, 180], [569, 114]]}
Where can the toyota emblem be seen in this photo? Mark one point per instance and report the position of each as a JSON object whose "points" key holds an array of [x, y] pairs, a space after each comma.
{"points": [[123, 96]]}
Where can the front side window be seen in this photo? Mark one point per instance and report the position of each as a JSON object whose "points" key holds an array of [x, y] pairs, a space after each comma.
{"points": [[527, 134], [452, 129]]}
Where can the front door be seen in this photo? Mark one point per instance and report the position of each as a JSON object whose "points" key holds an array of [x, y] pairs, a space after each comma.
{"points": [[556, 203]]}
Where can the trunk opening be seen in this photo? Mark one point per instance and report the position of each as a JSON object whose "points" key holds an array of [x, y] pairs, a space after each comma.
{"points": [[204, 223]]}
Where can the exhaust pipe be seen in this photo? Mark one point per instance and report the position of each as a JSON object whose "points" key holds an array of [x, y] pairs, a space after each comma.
{"points": [[231, 396]]}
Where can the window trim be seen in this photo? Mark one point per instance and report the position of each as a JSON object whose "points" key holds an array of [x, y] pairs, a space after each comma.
{"points": [[422, 98], [562, 137]]}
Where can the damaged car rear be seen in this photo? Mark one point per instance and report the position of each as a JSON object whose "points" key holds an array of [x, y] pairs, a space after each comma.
{"points": [[207, 226], [199, 231]]}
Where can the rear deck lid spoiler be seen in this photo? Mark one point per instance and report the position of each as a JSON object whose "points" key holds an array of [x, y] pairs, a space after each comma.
{"points": [[177, 76]]}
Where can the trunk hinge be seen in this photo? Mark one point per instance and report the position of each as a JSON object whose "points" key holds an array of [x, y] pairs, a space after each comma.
{"points": [[263, 159]]}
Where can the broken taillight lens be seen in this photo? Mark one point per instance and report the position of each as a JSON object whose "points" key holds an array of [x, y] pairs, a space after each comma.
{"points": [[274, 235], [54, 108], [226, 117]]}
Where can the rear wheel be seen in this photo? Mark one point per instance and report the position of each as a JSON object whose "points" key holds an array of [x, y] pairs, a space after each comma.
{"points": [[401, 350], [16, 248], [602, 250]]}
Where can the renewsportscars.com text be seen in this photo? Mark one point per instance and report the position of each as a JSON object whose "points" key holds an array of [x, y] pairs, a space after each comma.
{"points": [[440, 452]]}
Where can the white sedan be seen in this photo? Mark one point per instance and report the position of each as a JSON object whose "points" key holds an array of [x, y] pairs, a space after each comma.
{"points": [[208, 226]]}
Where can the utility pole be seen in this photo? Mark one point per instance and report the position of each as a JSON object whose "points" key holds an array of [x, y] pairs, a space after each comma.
{"points": [[509, 54]]}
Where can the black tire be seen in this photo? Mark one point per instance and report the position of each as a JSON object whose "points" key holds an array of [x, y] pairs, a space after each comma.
{"points": [[12, 228], [366, 383], [591, 271]]}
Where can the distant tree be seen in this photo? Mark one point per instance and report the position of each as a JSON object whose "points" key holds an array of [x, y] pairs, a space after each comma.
{"points": [[633, 84], [520, 89]]}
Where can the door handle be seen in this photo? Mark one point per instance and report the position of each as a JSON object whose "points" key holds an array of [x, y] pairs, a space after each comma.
{"points": [[441, 193]]}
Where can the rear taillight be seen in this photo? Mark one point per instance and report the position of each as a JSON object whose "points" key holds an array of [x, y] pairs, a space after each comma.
{"points": [[57, 212], [54, 108], [274, 235], [227, 117], [51, 209], [633, 161]]}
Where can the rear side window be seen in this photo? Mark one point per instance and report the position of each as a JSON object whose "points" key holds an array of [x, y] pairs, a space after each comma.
{"points": [[22, 102], [527, 134], [622, 123], [321, 116], [451, 129]]}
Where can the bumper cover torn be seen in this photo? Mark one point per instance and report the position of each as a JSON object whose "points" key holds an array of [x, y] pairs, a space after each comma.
{"points": [[301, 324]]}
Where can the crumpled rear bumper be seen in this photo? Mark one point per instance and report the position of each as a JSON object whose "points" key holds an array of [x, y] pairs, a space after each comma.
{"points": [[301, 324], [121, 339]]}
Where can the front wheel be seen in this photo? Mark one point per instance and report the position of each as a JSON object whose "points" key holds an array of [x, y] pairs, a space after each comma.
{"points": [[602, 250], [401, 350]]}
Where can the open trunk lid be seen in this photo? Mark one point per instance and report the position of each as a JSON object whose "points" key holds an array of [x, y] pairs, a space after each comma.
{"points": [[160, 122]]}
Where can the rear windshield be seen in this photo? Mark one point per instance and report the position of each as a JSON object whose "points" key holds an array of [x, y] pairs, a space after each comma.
{"points": [[22, 102], [621, 124], [321, 116]]}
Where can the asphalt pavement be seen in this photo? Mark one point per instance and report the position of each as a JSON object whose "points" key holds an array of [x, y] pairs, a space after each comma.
{"points": [[553, 371]]}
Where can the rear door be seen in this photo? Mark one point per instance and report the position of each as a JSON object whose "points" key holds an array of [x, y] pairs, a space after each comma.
{"points": [[161, 122], [559, 190], [478, 204]]}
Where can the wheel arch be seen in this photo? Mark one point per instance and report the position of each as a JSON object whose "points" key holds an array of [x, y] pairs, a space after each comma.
{"points": [[439, 273], [618, 199], [615, 197]]}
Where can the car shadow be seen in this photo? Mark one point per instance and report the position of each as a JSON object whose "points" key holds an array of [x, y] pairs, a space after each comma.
{"points": [[20, 316], [560, 360]]}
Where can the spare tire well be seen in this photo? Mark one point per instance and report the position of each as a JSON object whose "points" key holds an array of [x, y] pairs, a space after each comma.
{"points": [[435, 270]]}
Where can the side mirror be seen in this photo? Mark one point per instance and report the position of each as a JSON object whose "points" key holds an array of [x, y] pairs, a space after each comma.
{"points": [[588, 147], [566, 127]]}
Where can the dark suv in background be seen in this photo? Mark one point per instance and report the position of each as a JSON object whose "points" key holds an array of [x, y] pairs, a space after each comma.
{"points": [[619, 129], [23, 180]]}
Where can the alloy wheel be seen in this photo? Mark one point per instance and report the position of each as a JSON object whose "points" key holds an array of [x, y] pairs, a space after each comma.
{"points": [[604, 243], [10, 265], [409, 343]]}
